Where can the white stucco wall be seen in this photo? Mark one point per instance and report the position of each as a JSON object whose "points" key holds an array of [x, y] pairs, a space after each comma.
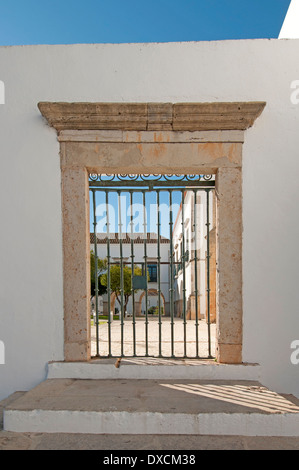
{"points": [[31, 306]]}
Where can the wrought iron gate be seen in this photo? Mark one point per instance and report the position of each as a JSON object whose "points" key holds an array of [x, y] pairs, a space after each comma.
{"points": [[180, 206]]}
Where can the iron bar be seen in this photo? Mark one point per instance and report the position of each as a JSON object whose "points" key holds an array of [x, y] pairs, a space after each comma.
{"points": [[159, 274], [129, 263], [113, 185], [195, 268], [208, 269], [145, 273], [108, 273], [171, 290], [184, 273], [132, 276], [121, 274], [96, 281]]}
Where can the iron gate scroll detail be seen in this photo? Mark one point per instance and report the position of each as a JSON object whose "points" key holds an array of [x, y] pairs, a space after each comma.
{"points": [[129, 249]]}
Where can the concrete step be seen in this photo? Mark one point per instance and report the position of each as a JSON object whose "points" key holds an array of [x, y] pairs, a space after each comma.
{"points": [[149, 406], [153, 368]]}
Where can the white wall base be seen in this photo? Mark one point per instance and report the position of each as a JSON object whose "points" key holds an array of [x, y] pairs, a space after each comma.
{"points": [[204, 371]]}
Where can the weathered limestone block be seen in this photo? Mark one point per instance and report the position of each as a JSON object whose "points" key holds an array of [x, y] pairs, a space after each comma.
{"points": [[151, 116], [76, 237], [229, 265], [150, 158]]}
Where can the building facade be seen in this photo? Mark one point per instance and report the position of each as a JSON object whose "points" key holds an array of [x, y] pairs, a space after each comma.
{"points": [[139, 262], [194, 253]]}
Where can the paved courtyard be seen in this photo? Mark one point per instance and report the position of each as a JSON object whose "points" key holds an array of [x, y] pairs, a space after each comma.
{"points": [[153, 337]]}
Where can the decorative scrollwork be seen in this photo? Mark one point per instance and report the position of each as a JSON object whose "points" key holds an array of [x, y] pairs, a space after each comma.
{"points": [[148, 177], [93, 177], [129, 179]]}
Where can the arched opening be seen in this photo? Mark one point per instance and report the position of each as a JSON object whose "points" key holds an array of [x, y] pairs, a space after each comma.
{"points": [[153, 301]]}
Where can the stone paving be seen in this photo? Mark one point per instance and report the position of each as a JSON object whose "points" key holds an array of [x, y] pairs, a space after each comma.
{"points": [[153, 337], [149, 442], [67, 441], [41, 441]]}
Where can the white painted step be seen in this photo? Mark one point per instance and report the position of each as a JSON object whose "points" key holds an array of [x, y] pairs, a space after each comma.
{"points": [[119, 406], [146, 368]]}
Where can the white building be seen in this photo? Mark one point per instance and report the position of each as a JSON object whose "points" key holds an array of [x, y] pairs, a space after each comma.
{"points": [[290, 27], [139, 261], [193, 234]]}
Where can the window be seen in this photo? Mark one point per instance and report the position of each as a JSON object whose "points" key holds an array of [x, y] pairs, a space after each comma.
{"points": [[152, 271]]}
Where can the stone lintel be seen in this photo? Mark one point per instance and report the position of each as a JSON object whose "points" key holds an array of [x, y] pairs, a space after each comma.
{"points": [[151, 158], [156, 137], [151, 116]]}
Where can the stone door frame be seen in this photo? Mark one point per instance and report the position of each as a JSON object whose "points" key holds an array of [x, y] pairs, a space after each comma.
{"points": [[140, 138]]}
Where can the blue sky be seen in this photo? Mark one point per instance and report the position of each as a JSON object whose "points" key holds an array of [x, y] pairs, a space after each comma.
{"points": [[122, 21], [138, 219]]}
